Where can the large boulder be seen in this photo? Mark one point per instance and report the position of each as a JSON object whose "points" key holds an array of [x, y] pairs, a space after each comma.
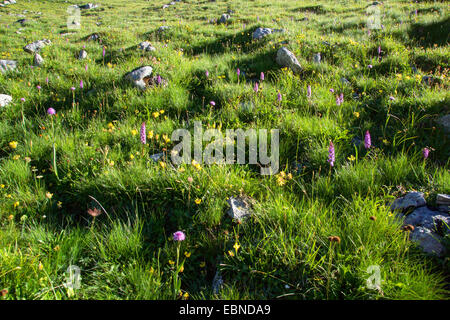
{"points": [[7, 65], [428, 241], [5, 100], [443, 202], [36, 46], [140, 76], [410, 200], [285, 58]]}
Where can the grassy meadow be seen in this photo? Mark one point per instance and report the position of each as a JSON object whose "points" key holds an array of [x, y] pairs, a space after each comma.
{"points": [[56, 170]]}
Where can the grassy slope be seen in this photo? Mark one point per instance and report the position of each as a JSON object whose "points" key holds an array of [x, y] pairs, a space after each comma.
{"points": [[284, 250]]}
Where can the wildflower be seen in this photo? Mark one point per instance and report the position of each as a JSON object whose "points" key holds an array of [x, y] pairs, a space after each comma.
{"points": [[238, 72], [341, 98], [81, 84], [72, 88], [331, 90], [338, 101], [334, 239], [48, 195], [38, 87], [261, 77], [59, 204], [331, 155], [356, 114], [16, 204], [86, 68], [51, 111], [171, 262], [280, 180], [162, 164], [179, 236], [207, 73], [185, 296], [426, 153], [391, 98], [143, 135], [308, 92], [16, 157], [150, 134], [231, 253], [370, 66], [187, 254], [212, 103], [379, 50], [279, 97], [408, 227], [202, 264], [166, 138], [189, 179], [236, 247], [104, 52], [198, 201], [155, 114], [134, 132], [94, 212], [40, 266], [351, 158], [110, 125], [22, 99], [367, 140], [255, 88], [13, 144]]}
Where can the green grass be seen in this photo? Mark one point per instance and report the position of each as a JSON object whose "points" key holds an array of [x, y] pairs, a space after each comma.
{"points": [[284, 252]]}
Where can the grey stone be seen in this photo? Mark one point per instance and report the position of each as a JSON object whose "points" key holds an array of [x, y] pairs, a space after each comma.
{"points": [[260, 33], [7, 65], [410, 200], [139, 75], [157, 156], [36, 46], [317, 57], [93, 37], [285, 58], [239, 208], [424, 217], [443, 199], [428, 241], [38, 60], [5, 100], [224, 18], [146, 46], [88, 6], [82, 54], [217, 283], [444, 122]]}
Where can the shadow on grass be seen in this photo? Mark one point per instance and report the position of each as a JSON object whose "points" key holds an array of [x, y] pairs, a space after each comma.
{"points": [[239, 41], [429, 34]]}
